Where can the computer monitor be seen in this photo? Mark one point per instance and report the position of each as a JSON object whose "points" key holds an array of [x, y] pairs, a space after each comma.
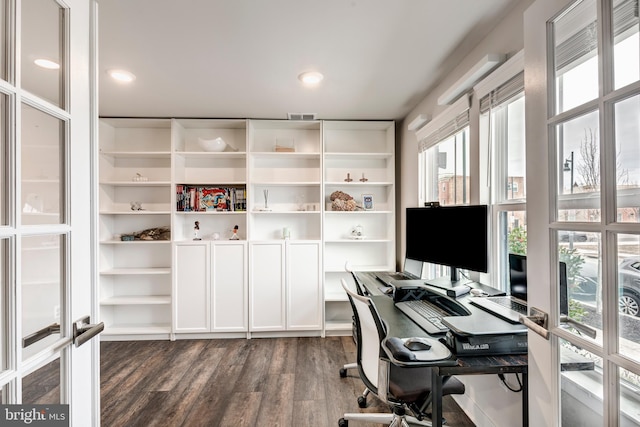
{"points": [[454, 236], [518, 280], [413, 267], [518, 276]]}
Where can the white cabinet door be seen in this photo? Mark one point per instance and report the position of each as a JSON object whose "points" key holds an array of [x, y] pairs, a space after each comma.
{"points": [[267, 286], [304, 286], [191, 287], [229, 287]]}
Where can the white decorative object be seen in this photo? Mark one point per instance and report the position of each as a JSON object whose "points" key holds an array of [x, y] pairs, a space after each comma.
{"points": [[357, 233], [215, 145]]}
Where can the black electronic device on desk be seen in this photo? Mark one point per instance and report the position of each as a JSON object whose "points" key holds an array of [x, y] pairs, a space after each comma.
{"points": [[426, 307], [453, 236], [382, 281], [512, 306], [481, 333]]}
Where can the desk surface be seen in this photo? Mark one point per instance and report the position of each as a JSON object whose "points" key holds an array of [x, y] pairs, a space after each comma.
{"points": [[399, 325], [478, 323]]}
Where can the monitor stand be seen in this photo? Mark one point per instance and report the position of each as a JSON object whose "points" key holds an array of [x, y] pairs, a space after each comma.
{"points": [[448, 282]]}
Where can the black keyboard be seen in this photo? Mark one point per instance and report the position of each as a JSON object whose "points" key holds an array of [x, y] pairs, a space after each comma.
{"points": [[425, 314], [509, 303]]}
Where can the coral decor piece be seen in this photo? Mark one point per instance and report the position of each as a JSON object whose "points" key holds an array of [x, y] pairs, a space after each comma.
{"points": [[156, 233], [341, 201]]}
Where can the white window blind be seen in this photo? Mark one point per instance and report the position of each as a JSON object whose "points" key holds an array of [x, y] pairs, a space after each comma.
{"points": [[451, 121], [575, 46], [502, 93]]}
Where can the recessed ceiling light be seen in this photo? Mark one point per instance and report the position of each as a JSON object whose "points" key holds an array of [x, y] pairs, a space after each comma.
{"points": [[122, 76], [311, 78], [47, 63]]}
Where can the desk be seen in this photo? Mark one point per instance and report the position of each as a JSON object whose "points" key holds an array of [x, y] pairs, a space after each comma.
{"points": [[399, 325]]}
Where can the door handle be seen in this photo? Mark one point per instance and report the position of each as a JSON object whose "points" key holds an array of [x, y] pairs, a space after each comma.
{"points": [[83, 331], [587, 330], [538, 320], [54, 328]]}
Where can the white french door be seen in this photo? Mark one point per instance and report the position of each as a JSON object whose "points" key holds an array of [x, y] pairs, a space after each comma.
{"points": [[47, 209], [582, 85]]}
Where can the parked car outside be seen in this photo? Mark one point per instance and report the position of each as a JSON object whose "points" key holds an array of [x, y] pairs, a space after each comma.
{"points": [[629, 284], [578, 236]]}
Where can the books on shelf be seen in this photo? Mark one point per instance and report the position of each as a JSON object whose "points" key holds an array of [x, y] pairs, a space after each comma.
{"points": [[203, 198]]}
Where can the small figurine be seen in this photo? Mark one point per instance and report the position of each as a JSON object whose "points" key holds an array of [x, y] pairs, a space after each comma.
{"points": [[363, 179], [234, 236], [196, 228], [348, 178]]}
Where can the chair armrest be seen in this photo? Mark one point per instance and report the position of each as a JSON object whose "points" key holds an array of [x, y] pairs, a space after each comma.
{"points": [[399, 355]]}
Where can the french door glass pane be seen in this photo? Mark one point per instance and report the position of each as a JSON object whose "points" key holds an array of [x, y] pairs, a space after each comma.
{"points": [[42, 167], [629, 398], [581, 252], [627, 131], [575, 38], [579, 169], [3, 40], [42, 279], [581, 392], [42, 40], [4, 148], [629, 295], [626, 58], [42, 387], [4, 289]]}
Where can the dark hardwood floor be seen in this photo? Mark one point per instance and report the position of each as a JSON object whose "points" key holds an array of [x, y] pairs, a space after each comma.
{"points": [[235, 382]]}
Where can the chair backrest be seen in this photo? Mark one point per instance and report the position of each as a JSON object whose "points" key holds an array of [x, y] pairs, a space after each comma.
{"points": [[370, 332]]}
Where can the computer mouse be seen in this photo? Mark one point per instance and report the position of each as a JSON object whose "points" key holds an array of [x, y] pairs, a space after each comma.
{"points": [[389, 290], [417, 344], [477, 292]]}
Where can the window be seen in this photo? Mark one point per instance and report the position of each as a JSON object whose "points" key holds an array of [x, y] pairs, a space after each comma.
{"points": [[444, 157], [502, 138]]}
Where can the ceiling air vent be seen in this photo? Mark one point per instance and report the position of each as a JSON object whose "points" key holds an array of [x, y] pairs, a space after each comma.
{"points": [[302, 116]]}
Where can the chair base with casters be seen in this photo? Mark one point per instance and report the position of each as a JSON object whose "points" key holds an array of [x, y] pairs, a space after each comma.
{"points": [[398, 418]]}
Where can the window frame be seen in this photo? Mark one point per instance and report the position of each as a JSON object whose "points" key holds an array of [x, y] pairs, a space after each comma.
{"points": [[493, 170]]}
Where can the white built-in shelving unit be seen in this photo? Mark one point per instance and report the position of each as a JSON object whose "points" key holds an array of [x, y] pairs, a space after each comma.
{"points": [[282, 276], [359, 159], [285, 226], [135, 276]]}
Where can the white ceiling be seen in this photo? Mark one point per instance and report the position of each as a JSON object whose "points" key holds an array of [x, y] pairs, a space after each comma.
{"points": [[241, 58]]}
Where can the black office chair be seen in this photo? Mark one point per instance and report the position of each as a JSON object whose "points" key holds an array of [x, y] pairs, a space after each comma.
{"points": [[405, 388], [362, 399]]}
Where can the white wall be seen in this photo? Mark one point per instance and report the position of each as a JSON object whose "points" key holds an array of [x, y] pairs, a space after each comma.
{"points": [[487, 402]]}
